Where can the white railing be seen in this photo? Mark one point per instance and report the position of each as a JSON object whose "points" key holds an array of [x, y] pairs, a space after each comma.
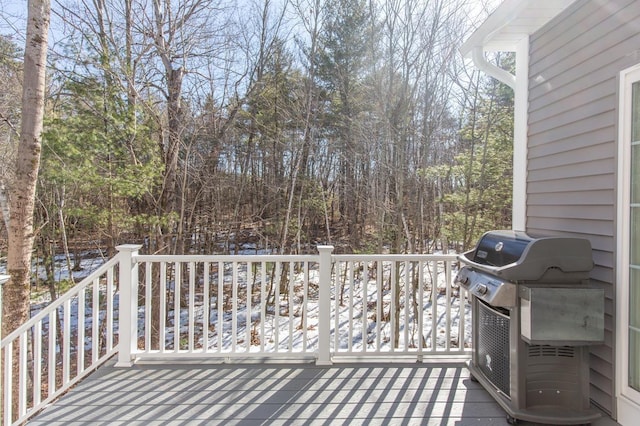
{"points": [[225, 306], [399, 305], [323, 307], [59, 345]]}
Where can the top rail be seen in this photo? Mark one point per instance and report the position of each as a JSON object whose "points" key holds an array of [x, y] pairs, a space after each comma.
{"points": [[285, 258]]}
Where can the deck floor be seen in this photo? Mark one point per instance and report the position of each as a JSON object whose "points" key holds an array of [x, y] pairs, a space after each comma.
{"points": [[275, 394]]}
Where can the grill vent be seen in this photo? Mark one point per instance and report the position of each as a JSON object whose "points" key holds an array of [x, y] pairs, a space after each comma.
{"points": [[551, 351], [493, 347]]}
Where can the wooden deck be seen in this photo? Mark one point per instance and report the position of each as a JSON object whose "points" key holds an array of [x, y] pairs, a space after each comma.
{"points": [[275, 394]]}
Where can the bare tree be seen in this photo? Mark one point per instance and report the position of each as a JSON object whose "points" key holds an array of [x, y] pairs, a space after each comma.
{"points": [[310, 13], [179, 34]]}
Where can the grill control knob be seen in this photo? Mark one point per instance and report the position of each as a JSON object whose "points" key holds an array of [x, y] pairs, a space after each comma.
{"points": [[462, 278], [481, 289]]}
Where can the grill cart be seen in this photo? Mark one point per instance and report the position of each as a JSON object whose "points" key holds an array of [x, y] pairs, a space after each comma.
{"points": [[534, 316]]}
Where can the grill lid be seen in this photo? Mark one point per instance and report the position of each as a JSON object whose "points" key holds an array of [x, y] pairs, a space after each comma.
{"points": [[500, 248], [518, 256]]}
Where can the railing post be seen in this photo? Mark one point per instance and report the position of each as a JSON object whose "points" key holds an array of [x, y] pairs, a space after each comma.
{"points": [[128, 304], [324, 306], [3, 279]]}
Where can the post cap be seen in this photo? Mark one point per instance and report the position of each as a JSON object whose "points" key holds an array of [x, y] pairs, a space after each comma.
{"points": [[129, 247]]}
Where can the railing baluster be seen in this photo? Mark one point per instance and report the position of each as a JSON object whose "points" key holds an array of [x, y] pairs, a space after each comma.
{"points": [[365, 304], [177, 284], [192, 304], [434, 307], [8, 384], [462, 315], [350, 267], [249, 303], [22, 368], [220, 323], [95, 320], [291, 307], [206, 303], [379, 304], [81, 330], [447, 274], [420, 304], [51, 352], [163, 289], [37, 363], [263, 303], [305, 303], [110, 310], [336, 314], [448, 270], [407, 303], [148, 315], [325, 288], [276, 305], [234, 307], [392, 308], [66, 338]]}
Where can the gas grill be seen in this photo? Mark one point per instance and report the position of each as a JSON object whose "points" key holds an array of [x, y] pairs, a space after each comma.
{"points": [[534, 315]]}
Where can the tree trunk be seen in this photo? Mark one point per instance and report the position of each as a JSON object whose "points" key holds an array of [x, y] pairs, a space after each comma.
{"points": [[21, 236], [27, 164], [63, 234]]}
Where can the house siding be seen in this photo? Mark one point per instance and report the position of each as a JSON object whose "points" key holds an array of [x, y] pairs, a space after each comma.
{"points": [[575, 61]]}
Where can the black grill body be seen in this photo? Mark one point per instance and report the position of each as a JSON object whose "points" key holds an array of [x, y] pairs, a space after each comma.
{"points": [[534, 316]]}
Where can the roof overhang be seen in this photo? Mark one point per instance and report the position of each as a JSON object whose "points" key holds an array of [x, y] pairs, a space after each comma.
{"points": [[512, 21], [508, 29]]}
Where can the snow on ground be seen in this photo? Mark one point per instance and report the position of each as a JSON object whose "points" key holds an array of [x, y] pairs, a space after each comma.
{"points": [[294, 327]]}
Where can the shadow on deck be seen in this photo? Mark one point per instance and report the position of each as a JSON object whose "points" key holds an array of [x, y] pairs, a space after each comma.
{"points": [[274, 394]]}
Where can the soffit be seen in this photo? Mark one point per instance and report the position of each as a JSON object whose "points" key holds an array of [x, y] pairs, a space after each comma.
{"points": [[511, 22]]}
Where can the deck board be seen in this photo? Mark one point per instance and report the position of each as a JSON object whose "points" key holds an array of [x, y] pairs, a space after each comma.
{"points": [[277, 394]]}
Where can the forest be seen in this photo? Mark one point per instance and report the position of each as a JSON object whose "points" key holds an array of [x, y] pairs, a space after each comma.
{"points": [[205, 126]]}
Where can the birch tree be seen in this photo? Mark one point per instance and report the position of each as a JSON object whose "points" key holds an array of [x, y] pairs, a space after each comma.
{"points": [[21, 232], [22, 193]]}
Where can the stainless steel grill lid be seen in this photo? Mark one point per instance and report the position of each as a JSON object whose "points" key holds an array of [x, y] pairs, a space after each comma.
{"points": [[519, 257], [500, 248]]}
